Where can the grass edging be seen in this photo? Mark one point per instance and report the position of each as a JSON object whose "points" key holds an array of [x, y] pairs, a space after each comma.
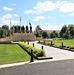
{"points": [[22, 45], [57, 47]]}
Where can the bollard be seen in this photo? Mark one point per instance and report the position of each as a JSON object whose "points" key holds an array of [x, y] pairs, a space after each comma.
{"points": [[51, 43], [31, 60], [33, 44], [28, 42], [39, 41], [44, 41], [62, 44], [42, 47]]}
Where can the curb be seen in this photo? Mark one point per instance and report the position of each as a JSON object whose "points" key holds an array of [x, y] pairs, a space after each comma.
{"points": [[24, 63], [13, 64]]}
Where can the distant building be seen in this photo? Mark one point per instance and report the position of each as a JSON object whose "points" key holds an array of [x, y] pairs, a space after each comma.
{"points": [[50, 31]]}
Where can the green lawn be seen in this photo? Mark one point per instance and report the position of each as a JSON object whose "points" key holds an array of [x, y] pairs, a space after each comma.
{"points": [[69, 42], [12, 53]]}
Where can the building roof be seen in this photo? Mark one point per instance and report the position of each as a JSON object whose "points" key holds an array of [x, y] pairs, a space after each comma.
{"points": [[50, 31]]}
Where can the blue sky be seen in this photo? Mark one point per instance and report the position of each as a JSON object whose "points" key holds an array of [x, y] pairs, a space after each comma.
{"points": [[49, 14]]}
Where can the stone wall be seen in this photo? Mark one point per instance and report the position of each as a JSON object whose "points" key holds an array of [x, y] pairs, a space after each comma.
{"points": [[7, 39], [23, 37]]}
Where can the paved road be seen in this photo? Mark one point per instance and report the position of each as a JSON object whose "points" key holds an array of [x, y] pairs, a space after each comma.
{"points": [[65, 67], [55, 52]]}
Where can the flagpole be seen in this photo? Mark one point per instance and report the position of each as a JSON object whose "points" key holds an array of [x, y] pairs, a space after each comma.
{"points": [[10, 28], [20, 23]]}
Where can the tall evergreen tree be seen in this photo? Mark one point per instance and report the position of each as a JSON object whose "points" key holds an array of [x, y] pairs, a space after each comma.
{"points": [[6, 27], [44, 34], [38, 31], [27, 29], [23, 29], [30, 27], [71, 29], [63, 30]]}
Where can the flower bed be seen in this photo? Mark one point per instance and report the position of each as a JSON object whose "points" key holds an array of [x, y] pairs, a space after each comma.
{"points": [[28, 48]]}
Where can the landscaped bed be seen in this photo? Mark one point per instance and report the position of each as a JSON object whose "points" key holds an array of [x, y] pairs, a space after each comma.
{"points": [[28, 48], [62, 43], [12, 53], [38, 54], [67, 43]]}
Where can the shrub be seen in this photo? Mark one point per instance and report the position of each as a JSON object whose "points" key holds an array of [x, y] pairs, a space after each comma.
{"points": [[40, 53], [67, 46], [37, 52], [71, 47], [43, 42], [47, 43]]}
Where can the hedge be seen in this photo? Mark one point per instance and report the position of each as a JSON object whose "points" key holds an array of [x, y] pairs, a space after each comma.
{"points": [[43, 42], [28, 48]]}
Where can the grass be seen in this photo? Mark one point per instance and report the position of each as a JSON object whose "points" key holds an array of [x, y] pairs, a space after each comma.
{"points": [[69, 42], [12, 53]]}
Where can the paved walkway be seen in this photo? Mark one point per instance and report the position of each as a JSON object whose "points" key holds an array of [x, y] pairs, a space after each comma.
{"points": [[55, 52], [65, 67]]}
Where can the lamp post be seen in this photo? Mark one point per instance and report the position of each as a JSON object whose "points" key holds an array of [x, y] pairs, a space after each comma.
{"points": [[42, 47], [32, 59]]}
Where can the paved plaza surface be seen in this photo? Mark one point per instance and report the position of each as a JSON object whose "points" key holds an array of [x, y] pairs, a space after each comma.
{"points": [[56, 53], [63, 67]]}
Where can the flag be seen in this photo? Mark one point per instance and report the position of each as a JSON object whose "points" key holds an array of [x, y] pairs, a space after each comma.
{"points": [[29, 23]]}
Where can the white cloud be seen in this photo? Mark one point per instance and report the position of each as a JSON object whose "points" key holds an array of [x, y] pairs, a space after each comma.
{"points": [[28, 11], [67, 7], [45, 6], [46, 24], [14, 4], [38, 18], [6, 20], [72, 14], [42, 7], [7, 16], [16, 15], [48, 27], [49, 16], [14, 22], [7, 8]]}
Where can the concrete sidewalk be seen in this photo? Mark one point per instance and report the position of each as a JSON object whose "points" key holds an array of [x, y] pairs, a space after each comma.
{"points": [[55, 52]]}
